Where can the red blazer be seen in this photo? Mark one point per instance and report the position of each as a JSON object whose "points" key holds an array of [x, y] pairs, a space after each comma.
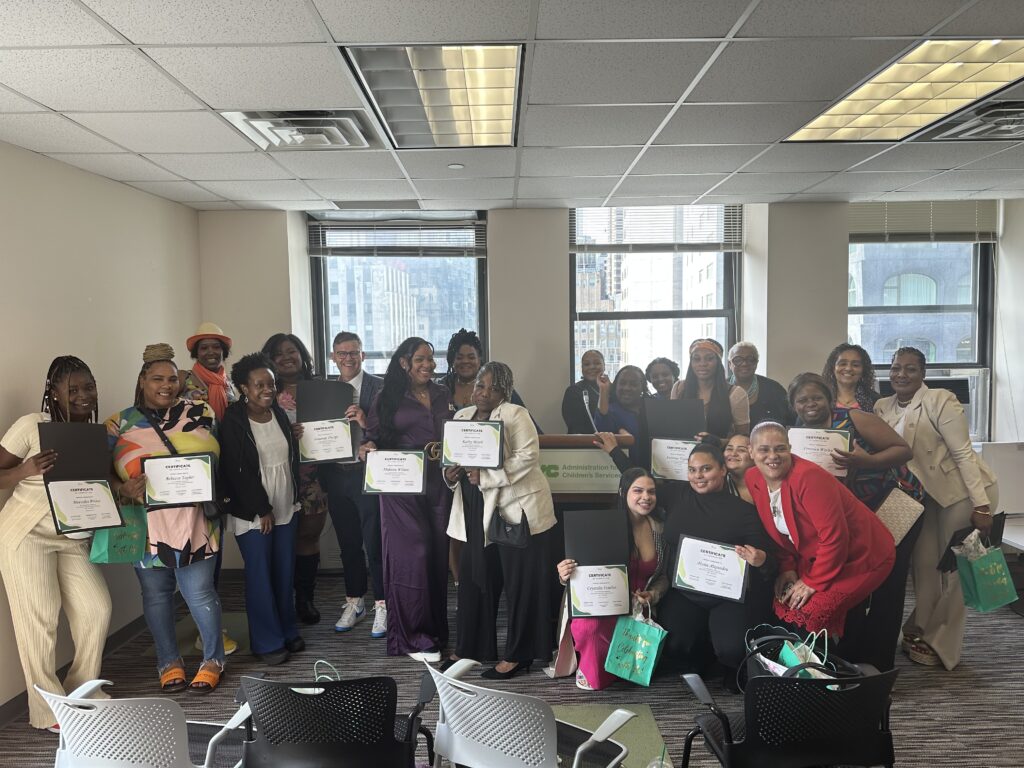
{"points": [[838, 543]]}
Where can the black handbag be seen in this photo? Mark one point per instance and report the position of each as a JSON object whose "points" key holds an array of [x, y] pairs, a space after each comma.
{"points": [[501, 531]]}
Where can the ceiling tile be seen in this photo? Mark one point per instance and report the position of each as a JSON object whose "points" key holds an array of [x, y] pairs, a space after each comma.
{"points": [[261, 190], [973, 180], [96, 79], [696, 159], [547, 126], [271, 77], [212, 205], [867, 182], [619, 201], [771, 183], [179, 191], [813, 157], [932, 194], [835, 18], [479, 163], [222, 166], [737, 123], [989, 18], [643, 186], [552, 187], [122, 167], [793, 70], [289, 205], [465, 205], [940, 156], [341, 164], [590, 19], [560, 202], [592, 161], [614, 73], [455, 21], [349, 189], [47, 132], [166, 131], [12, 102], [752, 197], [212, 21], [50, 23], [465, 188]]}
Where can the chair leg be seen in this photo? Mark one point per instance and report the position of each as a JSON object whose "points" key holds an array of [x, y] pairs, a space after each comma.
{"points": [[429, 738], [688, 746]]}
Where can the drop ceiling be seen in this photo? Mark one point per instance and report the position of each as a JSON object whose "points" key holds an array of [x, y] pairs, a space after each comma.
{"points": [[645, 102]]}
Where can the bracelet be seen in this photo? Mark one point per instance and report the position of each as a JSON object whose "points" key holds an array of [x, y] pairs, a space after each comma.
{"points": [[979, 512]]}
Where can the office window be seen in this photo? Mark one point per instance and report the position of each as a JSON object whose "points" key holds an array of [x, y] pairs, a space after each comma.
{"points": [[648, 281], [389, 281], [909, 289]]}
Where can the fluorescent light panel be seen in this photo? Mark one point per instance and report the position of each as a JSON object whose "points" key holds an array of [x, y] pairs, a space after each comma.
{"points": [[934, 80], [443, 95]]}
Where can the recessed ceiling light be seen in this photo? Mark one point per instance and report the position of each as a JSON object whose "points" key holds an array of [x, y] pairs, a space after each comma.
{"points": [[443, 95], [934, 80], [456, 166]]}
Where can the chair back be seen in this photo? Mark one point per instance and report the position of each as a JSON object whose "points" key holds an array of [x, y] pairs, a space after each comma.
{"points": [[484, 728], [119, 733]]}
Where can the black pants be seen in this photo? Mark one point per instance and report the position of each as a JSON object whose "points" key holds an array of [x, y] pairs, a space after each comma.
{"points": [[356, 519]]}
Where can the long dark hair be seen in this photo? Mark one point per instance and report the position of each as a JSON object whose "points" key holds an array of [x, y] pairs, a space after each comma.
{"points": [[719, 408], [396, 383], [865, 389], [270, 349], [60, 370], [629, 477]]}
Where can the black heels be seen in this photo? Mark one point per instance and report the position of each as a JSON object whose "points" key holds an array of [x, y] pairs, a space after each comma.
{"points": [[494, 674]]}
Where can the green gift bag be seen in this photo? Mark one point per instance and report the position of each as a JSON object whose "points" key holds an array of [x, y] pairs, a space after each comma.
{"points": [[986, 581], [125, 544], [635, 648]]}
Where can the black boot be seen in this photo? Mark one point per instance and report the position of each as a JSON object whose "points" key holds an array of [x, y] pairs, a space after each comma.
{"points": [[305, 583]]}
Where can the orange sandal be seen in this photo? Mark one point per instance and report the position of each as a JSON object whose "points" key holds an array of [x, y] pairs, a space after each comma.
{"points": [[172, 679], [207, 678]]}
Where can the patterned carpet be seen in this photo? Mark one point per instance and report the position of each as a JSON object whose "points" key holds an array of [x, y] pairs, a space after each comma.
{"points": [[968, 718]]}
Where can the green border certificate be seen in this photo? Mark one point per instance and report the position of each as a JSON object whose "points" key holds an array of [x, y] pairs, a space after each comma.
{"points": [[178, 481], [327, 440], [817, 445], [395, 473], [474, 444], [710, 567], [599, 590], [82, 505], [669, 458]]}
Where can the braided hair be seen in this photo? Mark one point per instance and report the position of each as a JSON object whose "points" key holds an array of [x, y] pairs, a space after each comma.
{"points": [[501, 377], [60, 370]]}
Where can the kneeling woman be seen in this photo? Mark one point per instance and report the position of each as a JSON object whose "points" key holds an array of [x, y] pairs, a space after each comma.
{"points": [[259, 472]]}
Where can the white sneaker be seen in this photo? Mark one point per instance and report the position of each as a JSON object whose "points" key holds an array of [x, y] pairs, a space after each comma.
{"points": [[380, 620], [354, 612], [431, 657]]}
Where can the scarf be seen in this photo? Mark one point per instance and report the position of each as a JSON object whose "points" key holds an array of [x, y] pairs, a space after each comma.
{"points": [[216, 383], [751, 391]]}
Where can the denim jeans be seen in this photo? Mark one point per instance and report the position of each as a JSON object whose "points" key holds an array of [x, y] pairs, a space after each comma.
{"points": [[196, 584]]}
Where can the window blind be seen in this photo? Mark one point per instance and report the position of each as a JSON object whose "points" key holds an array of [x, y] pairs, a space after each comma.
{"points": [[656, 229], [406, 239], [937, 221]]}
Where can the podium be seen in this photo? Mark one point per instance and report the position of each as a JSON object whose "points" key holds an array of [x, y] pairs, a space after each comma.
{"points": [[578, 471]]}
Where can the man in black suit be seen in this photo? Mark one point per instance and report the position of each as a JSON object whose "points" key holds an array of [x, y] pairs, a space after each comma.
{"points": [[356, 516]]}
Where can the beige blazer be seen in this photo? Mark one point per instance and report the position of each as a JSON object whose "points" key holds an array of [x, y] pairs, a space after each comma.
{"points": [[518, 484], [944, 460]]}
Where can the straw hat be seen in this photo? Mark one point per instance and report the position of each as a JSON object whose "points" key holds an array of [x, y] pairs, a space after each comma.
{"points": [[207, 331]]}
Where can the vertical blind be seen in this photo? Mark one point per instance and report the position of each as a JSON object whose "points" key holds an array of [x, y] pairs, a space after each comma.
{"points": [[938, 221]]}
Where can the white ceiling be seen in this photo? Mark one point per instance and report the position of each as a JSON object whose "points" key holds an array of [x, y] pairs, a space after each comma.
{"points": [[644, 102]]}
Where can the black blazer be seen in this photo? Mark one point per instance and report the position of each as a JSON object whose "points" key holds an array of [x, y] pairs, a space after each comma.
{"points": [[371, 386], [241, 481], [772, 404], [574, 411]]}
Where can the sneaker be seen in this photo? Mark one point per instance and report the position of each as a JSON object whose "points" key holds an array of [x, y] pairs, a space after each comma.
{"points": [[431, 657], [380, 620], [353, 613], [581, 681], [230, 646], [55, 728]]}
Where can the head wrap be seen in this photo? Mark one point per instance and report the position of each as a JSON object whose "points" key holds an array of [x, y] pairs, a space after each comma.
{"points": [[708, 344], [155, 353]]}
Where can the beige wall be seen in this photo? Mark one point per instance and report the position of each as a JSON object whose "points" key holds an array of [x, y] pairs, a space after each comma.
{"points": [[91, 268], [1008, 343]]}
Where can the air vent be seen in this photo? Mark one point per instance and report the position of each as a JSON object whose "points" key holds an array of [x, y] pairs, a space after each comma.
{"points": [[374, 205], [996, 121], [320, 129]]}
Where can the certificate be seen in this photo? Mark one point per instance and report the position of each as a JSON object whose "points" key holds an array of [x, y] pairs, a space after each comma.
{"points": [[178, 481], [599, 590], [329, 440], [711, 568], [669, 457], [475, 444], [82, 505], [817, 445], [395, 472]]}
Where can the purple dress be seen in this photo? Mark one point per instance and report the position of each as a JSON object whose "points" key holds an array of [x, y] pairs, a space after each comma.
{"points": [[413, 540]]}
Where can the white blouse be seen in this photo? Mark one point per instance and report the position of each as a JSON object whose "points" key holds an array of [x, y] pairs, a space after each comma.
{"points": [[272, 446]]}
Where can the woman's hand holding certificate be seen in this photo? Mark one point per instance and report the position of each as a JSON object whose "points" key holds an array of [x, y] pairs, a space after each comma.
{"points": [[178, 481], [328, 440], [713, 568], [472, 444], [820, 446]]}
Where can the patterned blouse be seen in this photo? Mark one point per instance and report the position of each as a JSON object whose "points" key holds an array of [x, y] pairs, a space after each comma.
{"points": [[177, 536]]}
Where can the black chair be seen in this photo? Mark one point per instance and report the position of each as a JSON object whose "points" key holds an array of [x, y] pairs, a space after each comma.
{"points": [[795, 722], [336, 723]]}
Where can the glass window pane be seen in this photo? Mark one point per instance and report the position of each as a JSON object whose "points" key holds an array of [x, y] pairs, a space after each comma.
{"points": [[940, 335], [652, 224], [638, 282], [907, 274]]}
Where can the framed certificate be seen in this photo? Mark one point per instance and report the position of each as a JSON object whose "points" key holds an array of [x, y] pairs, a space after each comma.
{"points": [[326, 441], [178, 481], [599, 590], [817, 445], [669, 457], [395, 473], [82, 505], [474, 444], [711, 568]]}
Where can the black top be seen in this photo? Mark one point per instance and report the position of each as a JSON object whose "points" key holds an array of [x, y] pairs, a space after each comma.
{"points": [[772, 404], [574, 411]]}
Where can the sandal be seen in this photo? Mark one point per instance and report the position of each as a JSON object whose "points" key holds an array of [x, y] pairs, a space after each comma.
{"points": [[172, 679], [922, 653], [207, 678]]}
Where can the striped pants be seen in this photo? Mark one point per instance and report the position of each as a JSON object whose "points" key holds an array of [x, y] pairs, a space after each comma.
{"points": [[41, 575]]}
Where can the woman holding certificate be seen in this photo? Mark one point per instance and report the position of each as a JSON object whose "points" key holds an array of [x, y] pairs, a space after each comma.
{"points": [[725, 405], [408, 414], [44, 572], [517, 491], [163, 449]]}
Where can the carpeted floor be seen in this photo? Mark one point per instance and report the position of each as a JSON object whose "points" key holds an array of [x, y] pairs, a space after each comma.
{"points": [[969, 718]]}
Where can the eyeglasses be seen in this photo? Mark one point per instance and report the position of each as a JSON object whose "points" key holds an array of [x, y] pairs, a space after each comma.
{"points": [[347, 354], [741, 360]]}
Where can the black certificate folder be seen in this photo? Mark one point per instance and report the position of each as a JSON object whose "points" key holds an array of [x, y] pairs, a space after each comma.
{"points": [[596, 536], [322, 400], [82, 452], [674, 419]]}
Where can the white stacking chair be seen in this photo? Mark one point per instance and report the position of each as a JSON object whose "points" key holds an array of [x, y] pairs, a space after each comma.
{"points": [[485, 728], [126, 733]]}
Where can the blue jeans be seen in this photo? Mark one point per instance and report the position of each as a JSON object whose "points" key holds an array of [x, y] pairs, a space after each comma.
{"points": [[269, 581], [196, 584]]}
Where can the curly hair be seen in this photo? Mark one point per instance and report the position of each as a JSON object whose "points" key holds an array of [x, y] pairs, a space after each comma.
{"points": [[865, 389], [672, 365], [246, 365]]}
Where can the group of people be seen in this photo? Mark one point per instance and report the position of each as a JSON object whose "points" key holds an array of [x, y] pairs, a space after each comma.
{"points": [[821, 558]]}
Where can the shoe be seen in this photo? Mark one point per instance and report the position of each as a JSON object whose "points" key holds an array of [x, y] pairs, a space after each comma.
{"points": [[581, 681], [55, 728], [447, 664], [352, 614], [431, 656], [230, 646], [306, 611], [494, 674], [274, 657], [922, 653], [207, 678], [295, 645], [380, 620]]}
